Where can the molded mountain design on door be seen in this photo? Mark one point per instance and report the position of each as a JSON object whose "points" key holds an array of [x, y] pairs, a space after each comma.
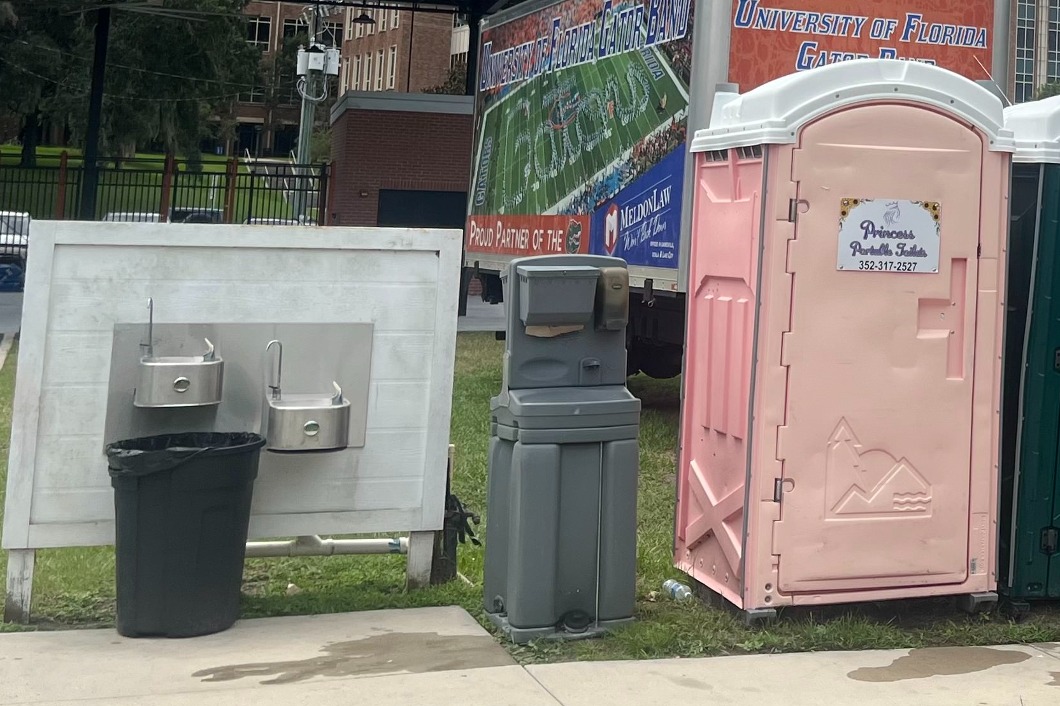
{"points": [[873, 483]]}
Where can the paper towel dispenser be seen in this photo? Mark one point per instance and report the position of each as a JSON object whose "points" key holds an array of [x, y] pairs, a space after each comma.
{"points": [[567, 318]]}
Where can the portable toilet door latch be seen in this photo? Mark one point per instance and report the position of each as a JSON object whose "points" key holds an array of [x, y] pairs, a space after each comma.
{"points": [[304, 422]]}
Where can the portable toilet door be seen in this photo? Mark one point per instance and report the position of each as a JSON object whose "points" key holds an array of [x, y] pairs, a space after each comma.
{"points": [[839, 430], [1029, 563]]}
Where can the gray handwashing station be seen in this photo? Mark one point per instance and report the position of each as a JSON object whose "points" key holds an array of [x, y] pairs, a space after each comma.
{"points": [[563, 459]]}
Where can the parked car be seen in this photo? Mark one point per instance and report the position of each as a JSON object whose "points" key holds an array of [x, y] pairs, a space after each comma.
{"points": [[14, 236], [271, 221], [196, 215]]}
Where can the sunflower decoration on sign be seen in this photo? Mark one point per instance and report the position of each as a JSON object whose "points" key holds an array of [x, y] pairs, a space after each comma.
{"points": [[934, 209], [846, 206]]}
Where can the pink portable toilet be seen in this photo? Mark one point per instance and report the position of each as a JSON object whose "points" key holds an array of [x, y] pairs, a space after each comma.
{"points": [[839, 432]]}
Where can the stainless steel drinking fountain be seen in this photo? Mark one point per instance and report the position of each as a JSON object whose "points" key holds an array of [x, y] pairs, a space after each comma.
{"points": [[304, 422], [177, 381]]}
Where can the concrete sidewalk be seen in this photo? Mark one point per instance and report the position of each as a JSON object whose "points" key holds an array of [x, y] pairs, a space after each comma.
{"points": [[440, 656]]}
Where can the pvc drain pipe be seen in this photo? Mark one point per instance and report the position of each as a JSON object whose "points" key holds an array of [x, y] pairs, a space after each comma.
{"points": [[313, 545]]}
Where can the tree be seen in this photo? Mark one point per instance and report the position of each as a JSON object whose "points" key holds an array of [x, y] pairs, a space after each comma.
{"points": [[278, 77], [38, 71], [455, 83], [169, 76], [1047, 91], [320, 143]]}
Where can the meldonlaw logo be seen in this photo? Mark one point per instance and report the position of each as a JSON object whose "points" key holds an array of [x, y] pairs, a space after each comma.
{"points": [[611, 229]]}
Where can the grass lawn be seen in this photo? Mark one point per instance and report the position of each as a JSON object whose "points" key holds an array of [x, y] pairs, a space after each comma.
{"points": [[11, 155], [75, 587]]}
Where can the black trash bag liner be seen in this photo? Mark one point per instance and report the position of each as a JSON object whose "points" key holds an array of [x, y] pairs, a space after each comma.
{"points": [[153, 454]]}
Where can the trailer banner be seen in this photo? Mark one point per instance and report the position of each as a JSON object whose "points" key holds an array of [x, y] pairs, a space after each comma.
{"points": [[773, 38], [581, 120], [642, 224], [523, 235]]}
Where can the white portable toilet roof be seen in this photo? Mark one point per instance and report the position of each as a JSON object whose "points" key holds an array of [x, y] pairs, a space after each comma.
{"points": [[1035, 128], [774, 112]]}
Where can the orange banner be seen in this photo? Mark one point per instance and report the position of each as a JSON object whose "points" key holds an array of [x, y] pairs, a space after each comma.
{"points": [[528, 235], [773, 38]]}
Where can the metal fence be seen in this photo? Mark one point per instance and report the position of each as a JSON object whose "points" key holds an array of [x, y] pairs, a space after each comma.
{"points": [[170, 190]]}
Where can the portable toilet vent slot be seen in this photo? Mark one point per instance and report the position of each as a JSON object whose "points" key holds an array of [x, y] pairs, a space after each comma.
{"points": [[177, 381], [305, 422]]}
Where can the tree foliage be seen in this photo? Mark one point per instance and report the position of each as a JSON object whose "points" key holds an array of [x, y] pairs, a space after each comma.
{"points": [[169, 76], [1048, 91], [455, 82], [39, 75]]}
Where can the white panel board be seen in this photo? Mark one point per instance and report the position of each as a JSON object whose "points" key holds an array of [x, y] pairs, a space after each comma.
{"points": [[84, 278]]}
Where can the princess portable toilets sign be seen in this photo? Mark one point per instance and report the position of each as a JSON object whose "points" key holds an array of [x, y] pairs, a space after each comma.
{"points": [[839, 430]]}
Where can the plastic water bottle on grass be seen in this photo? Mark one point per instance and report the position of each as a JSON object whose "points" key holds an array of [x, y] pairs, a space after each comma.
{"points": [[677, 590]]}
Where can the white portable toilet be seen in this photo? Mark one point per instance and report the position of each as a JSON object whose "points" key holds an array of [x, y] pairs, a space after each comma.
{"points": [[839, 432]]}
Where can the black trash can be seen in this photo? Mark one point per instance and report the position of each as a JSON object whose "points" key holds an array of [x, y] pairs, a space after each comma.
{"points": [[181, 507]]}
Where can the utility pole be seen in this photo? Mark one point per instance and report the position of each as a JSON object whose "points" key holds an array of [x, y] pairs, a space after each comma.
{"points": [[309, 106], [315, 63], [90, 182]]}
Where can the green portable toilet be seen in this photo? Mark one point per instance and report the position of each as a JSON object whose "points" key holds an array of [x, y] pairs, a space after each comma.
{"points": [[1029, 560]]}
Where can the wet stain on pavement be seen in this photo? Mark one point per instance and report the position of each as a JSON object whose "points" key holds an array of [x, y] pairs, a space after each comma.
{"points": [[939, 661], [1056, 679], [390, 653]]}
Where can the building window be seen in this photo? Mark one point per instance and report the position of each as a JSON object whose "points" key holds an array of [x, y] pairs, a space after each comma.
{"points": [[357, 72], [331, 34], [358, 31], [379, 71], [391, 67], [258, 29], [383, 14], [1052, 68], [284, 90], [1025, 22], [370, 28], [349, 25], [394, 15], [368, 71]]}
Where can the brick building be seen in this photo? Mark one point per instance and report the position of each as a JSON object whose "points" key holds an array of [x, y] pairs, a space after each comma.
{"points": [[1035, 43], [395, 50], [400, 159]]}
